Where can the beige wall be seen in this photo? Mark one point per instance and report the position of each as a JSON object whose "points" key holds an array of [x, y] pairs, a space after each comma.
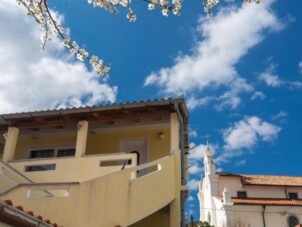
{"points": [[234, 185], [108, 142], [70, 169], [107, 201], [160, 218], [100, 142], [116, 198], [43, 141]]}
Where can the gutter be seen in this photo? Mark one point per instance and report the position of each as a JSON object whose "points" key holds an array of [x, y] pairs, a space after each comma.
{"points": [[182, 149], [263, 217]]}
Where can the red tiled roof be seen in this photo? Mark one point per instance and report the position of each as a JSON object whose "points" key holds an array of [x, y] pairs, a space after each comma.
{"points": [[13, 219], [266, 179], [272, 180], [264, 201]]}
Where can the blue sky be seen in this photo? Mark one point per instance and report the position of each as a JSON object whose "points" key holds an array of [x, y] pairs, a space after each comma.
{"points": [[240, 71]]}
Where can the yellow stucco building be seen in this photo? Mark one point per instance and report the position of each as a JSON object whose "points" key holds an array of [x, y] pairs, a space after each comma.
{"points": [[104, 166]]}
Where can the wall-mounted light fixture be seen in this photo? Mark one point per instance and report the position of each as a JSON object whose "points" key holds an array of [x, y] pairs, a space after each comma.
{"points": [[80, 126], [161, 135]]}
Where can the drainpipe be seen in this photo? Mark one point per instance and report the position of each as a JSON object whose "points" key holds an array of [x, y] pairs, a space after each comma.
{"points": [[182, 149], [286, 194], [263, 217]]}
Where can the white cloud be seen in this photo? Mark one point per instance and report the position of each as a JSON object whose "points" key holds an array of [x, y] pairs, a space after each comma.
{"points": [[241, 163], [197, 152], [193, 184], [246, 133], [193, 133], [279, 115], [196, 158], [258, 94], [195, 169], [295, 84], [300, 67], [228, 99], [190, 198], [212, 64], [32, 80], [270, 80], [192, 102]]}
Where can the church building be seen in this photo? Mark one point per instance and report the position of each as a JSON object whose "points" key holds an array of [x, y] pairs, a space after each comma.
{"points": [[231, 200]]}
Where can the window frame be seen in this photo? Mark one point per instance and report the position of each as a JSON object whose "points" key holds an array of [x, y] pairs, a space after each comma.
{"points": [[293, 193], [290, 216], [244, 192], [56, 149], [47, 167]]}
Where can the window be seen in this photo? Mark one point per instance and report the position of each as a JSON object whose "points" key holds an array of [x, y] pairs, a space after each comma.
{"points": [[292, 221], [51, 152], [293, 195], [46, 153], [48, 193], [66, 152], [1, 148], [37, 168], [241, 194]]}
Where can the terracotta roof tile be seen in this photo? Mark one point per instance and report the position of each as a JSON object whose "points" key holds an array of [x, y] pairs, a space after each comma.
{"points": [[272, 180], [266, 179], [264, 201], [10, 203]]}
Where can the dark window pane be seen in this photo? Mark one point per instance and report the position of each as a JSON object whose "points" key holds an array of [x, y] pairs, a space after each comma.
{"points": [[292, 221], [293, 195], [40, 168], [46, 153], [66, 152], [137, 157], [241, 194], [1, 148]]}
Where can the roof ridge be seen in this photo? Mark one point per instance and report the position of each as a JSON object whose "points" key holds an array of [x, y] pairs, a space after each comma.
{"points": [[95, 106], [98, 105], [243, 174]]}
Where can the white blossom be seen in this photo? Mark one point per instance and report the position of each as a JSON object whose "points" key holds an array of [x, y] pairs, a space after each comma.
{"points": [[165, 12], [115, 2], [39, 10], [151, 6]]}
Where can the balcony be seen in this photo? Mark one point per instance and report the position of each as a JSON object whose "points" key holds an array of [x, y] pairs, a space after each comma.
{"points": [[112, 199], [73, 169]]}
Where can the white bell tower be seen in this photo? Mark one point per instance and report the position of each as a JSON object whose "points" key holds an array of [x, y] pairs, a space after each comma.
{"points": [[209, 165], [208, 189]]}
